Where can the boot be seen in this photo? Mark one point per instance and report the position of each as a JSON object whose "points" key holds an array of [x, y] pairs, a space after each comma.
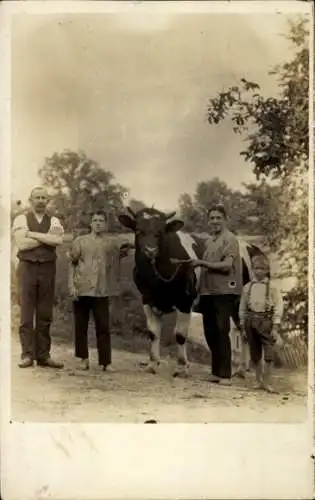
{"points": [[83, 365], [26, 362], [51, 363], [108, 369]]}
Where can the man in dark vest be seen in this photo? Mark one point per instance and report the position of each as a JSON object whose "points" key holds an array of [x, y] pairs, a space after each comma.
{"points": [[36, 236]]}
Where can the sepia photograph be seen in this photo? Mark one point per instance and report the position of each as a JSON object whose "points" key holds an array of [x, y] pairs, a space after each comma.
{"points": [[159, 217]]}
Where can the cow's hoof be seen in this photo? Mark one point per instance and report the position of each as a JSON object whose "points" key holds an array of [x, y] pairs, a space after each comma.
{"points": [[143, 364], [151, 369], [180, 373]]}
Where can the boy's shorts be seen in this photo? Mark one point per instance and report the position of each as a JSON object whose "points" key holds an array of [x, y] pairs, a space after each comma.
{"points": [[258, 328]]}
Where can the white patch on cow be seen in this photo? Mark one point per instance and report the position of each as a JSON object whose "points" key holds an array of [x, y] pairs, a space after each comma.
{"points": [[154, 324], [154, 321], [188, 243], [245, 255], [145, 215], [182, 323], [182, 326]]}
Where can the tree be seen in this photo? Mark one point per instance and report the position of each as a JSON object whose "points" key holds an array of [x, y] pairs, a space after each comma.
{"points": [[278, 140], [277, 133], [193, 219], [194, 210], [263, 215], [16, 209], [136, 205], [79, 186]]}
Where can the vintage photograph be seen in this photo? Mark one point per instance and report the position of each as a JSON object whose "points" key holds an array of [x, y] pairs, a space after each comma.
{"points": [[159, 217]]}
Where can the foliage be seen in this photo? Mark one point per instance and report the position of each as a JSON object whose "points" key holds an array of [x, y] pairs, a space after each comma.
{"points": [[16, 209], [253, 212], [277, 133], [276, 127], [263, 214], [194, 210], [79, 186], [136, 205]]}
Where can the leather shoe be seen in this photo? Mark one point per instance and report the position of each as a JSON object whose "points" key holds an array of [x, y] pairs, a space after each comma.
{"points": [[49, 362], [26, 362], [108, 368]]}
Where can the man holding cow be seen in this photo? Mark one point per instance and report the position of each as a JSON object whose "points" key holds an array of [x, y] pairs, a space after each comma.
{"points": [[171, 269], [167, 272], [220, 288]]}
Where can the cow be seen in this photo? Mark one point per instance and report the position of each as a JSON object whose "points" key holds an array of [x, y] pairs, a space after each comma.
{"points": [[165, 279]]}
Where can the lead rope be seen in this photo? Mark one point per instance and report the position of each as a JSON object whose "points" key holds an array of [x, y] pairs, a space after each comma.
{"points": [[166, 280]]}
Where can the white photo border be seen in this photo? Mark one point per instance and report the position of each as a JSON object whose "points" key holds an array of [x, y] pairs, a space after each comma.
{"points": [[96, 461]]}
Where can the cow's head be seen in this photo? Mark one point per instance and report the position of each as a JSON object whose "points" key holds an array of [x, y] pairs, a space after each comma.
{"points": [[149, 225]]}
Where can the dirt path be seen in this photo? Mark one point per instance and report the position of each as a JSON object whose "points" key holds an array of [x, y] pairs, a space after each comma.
{"points": [[132, 396]]}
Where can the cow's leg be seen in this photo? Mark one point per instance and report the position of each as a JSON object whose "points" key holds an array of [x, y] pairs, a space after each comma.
{"points": [[154, 325], [181, 334]]}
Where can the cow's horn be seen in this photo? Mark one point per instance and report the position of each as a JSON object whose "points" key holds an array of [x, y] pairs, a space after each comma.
{"points": [[170, 215], [131, 212]]}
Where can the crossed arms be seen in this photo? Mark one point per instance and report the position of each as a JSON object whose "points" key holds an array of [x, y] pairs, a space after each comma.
{"points": [[27, 240]]}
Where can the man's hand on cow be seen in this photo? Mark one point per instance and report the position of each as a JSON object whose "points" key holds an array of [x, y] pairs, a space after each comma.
{"points": [[191, 262], [198, 263]]}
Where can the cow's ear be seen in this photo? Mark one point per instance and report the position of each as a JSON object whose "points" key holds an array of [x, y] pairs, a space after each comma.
{"points": [[174, 226], [127, 221]]}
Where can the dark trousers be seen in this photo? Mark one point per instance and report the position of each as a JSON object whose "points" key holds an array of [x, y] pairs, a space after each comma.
{"points": [[216, 311], [36, 281], [100, 309], [258, 328]]}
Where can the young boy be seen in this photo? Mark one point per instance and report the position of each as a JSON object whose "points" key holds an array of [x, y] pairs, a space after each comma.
{"points": [[93, 279], [260, 311]]}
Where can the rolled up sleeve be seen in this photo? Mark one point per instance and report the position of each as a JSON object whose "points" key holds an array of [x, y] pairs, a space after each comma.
{"points": [[19, 229], [277, 305], [56, 227], [231, 250], [75, 251]]}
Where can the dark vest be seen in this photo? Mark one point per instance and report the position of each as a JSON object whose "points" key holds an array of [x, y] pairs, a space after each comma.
{"points": [[43, 253]]}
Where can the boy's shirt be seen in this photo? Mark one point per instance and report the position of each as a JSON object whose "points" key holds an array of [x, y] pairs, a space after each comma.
{"points": [[257, 300], [95, 271]]}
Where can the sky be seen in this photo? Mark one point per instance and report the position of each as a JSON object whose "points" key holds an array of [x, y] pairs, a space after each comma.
{"points": [[132, 93]]}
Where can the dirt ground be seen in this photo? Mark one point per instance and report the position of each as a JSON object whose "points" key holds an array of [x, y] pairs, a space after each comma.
{"points": [[131, 396]]}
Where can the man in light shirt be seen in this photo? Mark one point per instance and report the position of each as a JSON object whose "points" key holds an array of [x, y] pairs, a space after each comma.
{"points": [[37, 235], [260, 312], [219, 289], [94, 277]]}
